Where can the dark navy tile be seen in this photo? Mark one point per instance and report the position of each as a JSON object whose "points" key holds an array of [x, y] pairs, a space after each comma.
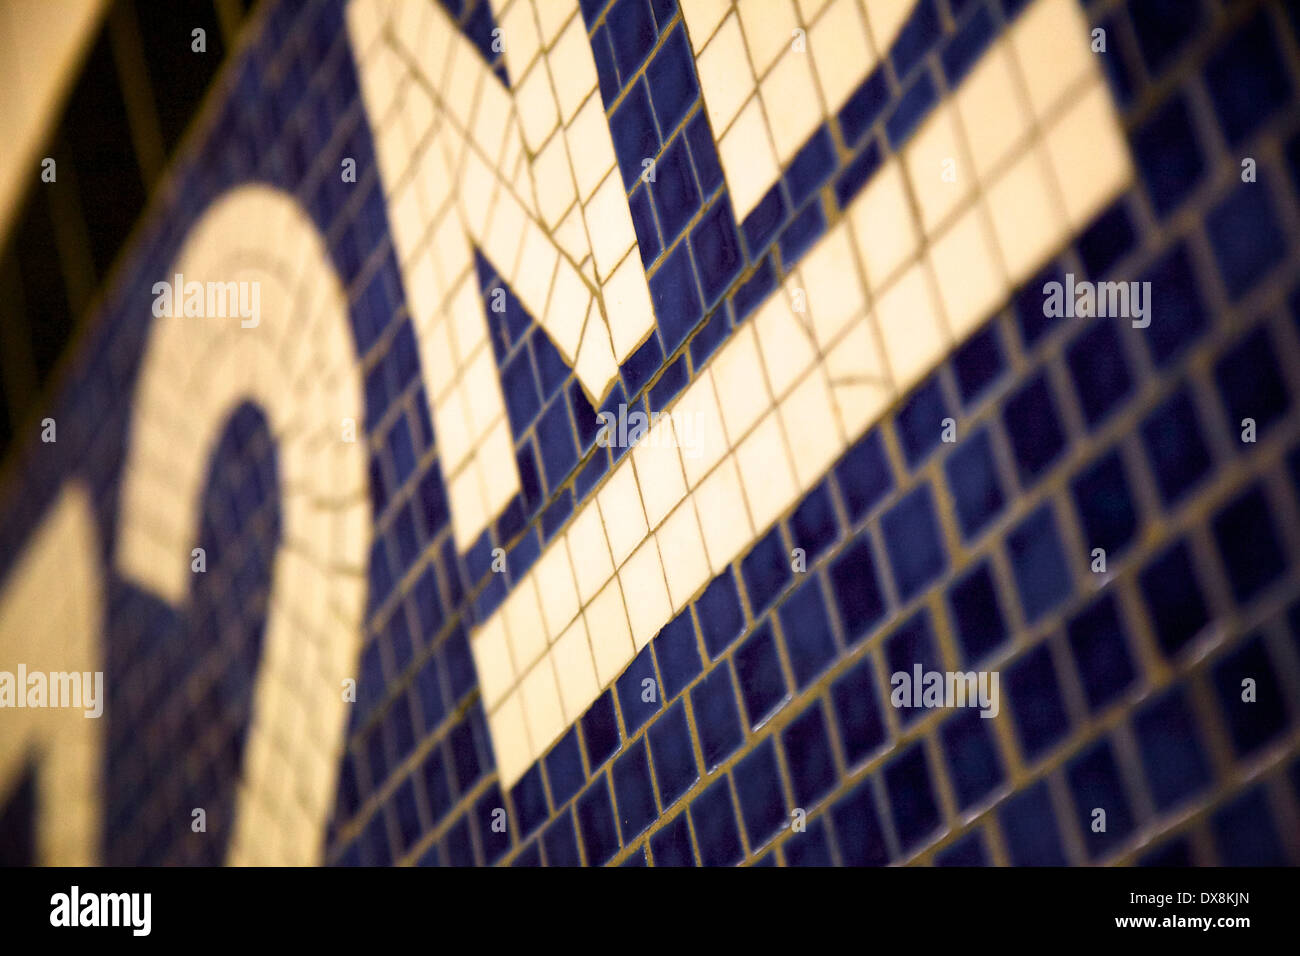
{"points": [[1177, 852], [965, 47], [435, 786], [1173, 597], [808, 755], [1098, 641], [717, 250], [1255, 722], [642, 365], [1170, 748], [708, 170], [1030, 829], [1246, 237], [1246, 536], [671, 75], [1099, 371], [492, 824], [754, 290], [1167, 153], [967, 851], [917, 36], [911, 797], [1107, 240], [676, 199], [636, 858], [1163, 29], [606, 73], [766, 570], [977, 614], [633, 691], [813, 525], [643, 221], [670, 749], [564, 768], [713, 701], [678, 654], [804, 230], [1245, 834], [1033, 426], [596, 822], [676, 300], [634, 792], [1106, 510], [973, 481], [1096, 784], [758, 672], [857, 173], [864, 106], [909, 109], [1036, 702], [721, 618], [920, 421], [810, 166], [713, 814], [1247, 79], [528, 796], [864, 475], [1175, 449], [857, 712], [560, 842], [600, 730], [758, 788], [458, 844], [972, 755], [857, 590], [1041, 571], [810, 847], [559, 448], [1251, 384], [671, 845], [858, 831], [763, 221], [710, 335], [978, 363], [806, 628], [1177, 315], [530, 855], [631, 34], [911, 533]]}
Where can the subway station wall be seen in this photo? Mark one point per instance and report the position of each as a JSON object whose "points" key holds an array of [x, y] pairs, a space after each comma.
{"points": [[389, 570]]}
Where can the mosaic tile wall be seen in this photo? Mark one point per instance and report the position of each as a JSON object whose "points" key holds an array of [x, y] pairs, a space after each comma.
{"points": [[646, 658]]}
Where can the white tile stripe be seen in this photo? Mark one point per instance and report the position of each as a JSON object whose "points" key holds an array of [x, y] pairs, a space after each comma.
{"points": [[780, 414]]}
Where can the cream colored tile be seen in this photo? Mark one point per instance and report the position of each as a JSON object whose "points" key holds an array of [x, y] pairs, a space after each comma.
{"points": [[738, 379], [858, 383], [481, 387], [884, 226], [886, 18], [968, 272], [572, 68], [829, 274], [535, 104], [812, 428], [747, 159], [524, 623], [519, 31], [785, 343], [1051, 43], [698, 423], [611, 638], [993, 113], [609, 224], [620, 509], [764, 465], [910, 326], [452, 427], [840, 50], [591, 147], [933, 156], [496, 674], [575, 671], [571, 236], [725, 76], [510, 743], [469, 325], [769, 26], [555, 587], [567, 310], [1089, 155], [724, 520], [681, 548], [659, 471], [791, 103], [592, 566], [596, 367], [554, 181], [496, 464], [468, 510], [628, 305], [1026, 222], [538, 258], [492, 114], [543, 711], [552, 16], [808, 9], [642, 578]]}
